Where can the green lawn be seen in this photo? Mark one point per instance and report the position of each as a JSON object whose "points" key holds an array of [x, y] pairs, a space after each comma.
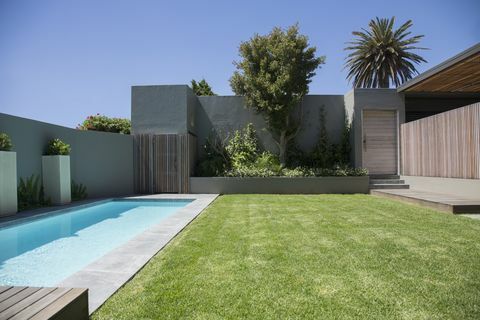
{"points": [[310, 257]]}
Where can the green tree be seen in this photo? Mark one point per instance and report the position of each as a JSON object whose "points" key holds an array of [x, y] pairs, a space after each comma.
{"points": [[382, 56], [273, 75], [202, 88], [100, 122]]}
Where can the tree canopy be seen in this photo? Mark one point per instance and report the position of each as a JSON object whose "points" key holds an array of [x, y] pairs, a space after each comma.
{"points": [[382, 56], [202, 88], [273, 75]]}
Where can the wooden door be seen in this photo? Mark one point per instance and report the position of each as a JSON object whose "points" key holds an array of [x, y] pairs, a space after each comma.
{"points": [[379, 141]]}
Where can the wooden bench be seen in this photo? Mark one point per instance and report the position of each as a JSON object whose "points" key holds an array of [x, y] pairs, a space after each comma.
{"points": [[43, 303]]}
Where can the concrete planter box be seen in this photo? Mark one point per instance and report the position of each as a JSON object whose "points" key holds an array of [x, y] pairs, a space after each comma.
{"points": [[8, 183], [279, 185], [56, 179]]}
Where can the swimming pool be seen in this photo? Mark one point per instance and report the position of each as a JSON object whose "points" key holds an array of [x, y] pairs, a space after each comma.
{"points": [[48, 249]]}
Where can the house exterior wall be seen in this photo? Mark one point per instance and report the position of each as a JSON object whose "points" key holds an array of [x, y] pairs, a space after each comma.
{"points": [[176, 109], [371, 99], [102, 161]]}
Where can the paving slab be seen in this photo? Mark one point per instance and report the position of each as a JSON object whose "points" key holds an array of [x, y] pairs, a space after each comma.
{"points": [[106, 275]]}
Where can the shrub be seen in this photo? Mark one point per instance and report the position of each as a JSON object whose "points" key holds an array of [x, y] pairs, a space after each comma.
{"points": [[216, 160], [5, 142], [241, 157], [30, 194], [340, 172], [57, 147], [79, 191], [242, 149], [103, 123], [296, 172], [250, 172], [267, 160]]}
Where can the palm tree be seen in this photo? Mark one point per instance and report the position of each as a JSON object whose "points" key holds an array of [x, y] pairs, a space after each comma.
{"points": [[381, 56]]}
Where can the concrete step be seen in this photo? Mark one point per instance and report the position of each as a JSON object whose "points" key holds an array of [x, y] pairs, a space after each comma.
{"points": [[389, 186], [386, 181], [384, 176]]}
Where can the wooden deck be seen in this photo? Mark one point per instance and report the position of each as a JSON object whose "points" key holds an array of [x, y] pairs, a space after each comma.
{"points": [[43, 303], [442, 202]]}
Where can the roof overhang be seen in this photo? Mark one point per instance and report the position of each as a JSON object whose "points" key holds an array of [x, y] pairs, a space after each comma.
{"points": [[459, 74]]}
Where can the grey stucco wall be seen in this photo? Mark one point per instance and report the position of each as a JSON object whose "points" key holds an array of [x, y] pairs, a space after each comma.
{"points": [[176, 109], [160, 109], [102, 161], [372, 99], [228, 113], [279, 185]]}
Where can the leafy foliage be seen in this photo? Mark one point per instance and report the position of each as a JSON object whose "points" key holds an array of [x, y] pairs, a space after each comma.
{"points": [[216, 160], [202, 88], [240, 156], [30, 194], [322, 154], [78, 191], [381, 56], [103, 123], [296, 172], [242, 149], [273, 75], [57, 147], [342, 152], [5, 142], [269, 161]]}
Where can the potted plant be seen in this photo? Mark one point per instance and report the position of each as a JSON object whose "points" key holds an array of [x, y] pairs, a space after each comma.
{"points": [[56, 172], [8, 172]]}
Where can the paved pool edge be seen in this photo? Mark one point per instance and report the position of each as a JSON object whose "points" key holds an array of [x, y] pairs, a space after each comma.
{"points": [[109, 273]]}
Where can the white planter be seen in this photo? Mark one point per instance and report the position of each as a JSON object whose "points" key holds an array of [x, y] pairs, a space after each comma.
{"points": [[8, 183], [56, 179]]}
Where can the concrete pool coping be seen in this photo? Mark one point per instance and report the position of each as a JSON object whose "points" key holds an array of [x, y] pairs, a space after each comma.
{"points": [[106, 275]]}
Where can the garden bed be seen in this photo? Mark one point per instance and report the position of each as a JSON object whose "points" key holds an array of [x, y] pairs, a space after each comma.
{"points": [[279, 185]]}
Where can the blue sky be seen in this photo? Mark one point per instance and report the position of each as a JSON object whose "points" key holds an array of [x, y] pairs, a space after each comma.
{"points": [[61, 61]]}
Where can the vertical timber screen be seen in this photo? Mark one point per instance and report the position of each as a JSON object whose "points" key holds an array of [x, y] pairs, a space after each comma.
{"points": [[443, 145], [163, 162]]}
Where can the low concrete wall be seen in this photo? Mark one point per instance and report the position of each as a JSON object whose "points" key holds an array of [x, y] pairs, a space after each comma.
{"points": [[466, 188], [277, 185], [101, 161]]}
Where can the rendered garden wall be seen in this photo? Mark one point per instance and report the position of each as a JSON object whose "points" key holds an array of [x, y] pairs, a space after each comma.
{"points": [[101, 161], [174, 109], [279, 185]]}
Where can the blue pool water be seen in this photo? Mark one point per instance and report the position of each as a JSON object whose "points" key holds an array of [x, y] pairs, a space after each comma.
{"points": [[44, 251]]}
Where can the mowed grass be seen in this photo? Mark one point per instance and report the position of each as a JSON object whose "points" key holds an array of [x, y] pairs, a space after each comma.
{"points": [[310, 257]]}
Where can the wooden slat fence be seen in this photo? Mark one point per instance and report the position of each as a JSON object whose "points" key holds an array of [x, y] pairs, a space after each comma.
{"points": [[164, 162], [443, 145]]}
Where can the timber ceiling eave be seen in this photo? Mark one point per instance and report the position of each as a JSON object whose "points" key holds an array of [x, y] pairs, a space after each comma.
{"points": [[460, 74]]}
